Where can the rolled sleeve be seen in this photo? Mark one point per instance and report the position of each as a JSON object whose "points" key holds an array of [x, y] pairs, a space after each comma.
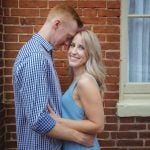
{"points": [[44, 124]]}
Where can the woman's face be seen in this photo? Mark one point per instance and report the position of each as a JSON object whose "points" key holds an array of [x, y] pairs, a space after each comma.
{"points": [[77, 54]]}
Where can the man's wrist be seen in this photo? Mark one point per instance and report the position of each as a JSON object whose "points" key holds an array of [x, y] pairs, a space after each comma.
{"points": [[77, 137]]}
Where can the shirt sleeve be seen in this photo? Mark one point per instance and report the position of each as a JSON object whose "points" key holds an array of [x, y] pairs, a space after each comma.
{"points": [[35, 94]]}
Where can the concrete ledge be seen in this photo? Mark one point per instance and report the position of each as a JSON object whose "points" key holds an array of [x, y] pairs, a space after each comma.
{"points": [[128, 108]]}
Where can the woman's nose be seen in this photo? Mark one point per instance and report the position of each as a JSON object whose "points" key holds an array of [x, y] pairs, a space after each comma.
{"points": [[74, 50]]}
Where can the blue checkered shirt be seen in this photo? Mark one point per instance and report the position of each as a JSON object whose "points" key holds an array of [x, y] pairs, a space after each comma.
{"points": [[35, 85]]}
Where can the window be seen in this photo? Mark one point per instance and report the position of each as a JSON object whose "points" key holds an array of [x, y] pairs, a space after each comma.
{"points": [[135, 59]]}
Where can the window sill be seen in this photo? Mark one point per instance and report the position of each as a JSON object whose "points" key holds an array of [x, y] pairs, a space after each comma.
{"points": [[128, 108]]}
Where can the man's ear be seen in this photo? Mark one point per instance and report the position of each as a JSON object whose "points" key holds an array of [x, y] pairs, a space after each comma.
{"points": [[56, 24]]}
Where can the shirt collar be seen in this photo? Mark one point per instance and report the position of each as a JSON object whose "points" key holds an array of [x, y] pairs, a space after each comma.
{"points": [[48, 46]]}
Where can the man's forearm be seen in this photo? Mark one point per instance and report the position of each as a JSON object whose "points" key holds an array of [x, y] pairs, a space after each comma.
{"points": [[68, 134]]}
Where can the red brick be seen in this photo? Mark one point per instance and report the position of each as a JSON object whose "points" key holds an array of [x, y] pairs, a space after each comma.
{"points": [[113, 55], [111, 119], [61, 63], [25, 12], [11, 20], [33, 4], [6, 11], [106, 29], [11, 144], [132, 143], [135, 127], [147, 142], [24, 38], [8, 87], [90, 20], [112, 79], [113, 4], [109, 111], [10, 54], [114, 95], [9, 62], [64, 87], [143, 119], [103, 135], [63, 79], [13, 46], [10, 38], [37, 28], [9, 96], [62, 71], [44, 12], [10, 120], [127, 135], [89, 12], [113, 38], [109, 13], [144, 135], [10, 112], [9, 105], [113, 21], [60, 54], [92, 4], [127, 120], [68, 2], [32, 21], [7, 71], [113, 71], [101, 37], [11, 128], [110, 46], [108, 143], [111, 63], [18, 29], [10, 3]]}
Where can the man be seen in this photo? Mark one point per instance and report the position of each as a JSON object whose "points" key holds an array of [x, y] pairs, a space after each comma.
{"points": [[36, 85]]}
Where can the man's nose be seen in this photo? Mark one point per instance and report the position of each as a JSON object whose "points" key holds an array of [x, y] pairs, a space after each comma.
{"points": [[66, 44]]}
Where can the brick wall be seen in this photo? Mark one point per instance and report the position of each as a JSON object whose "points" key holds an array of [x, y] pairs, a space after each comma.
{"points": [[23, 17], [2, 111]]}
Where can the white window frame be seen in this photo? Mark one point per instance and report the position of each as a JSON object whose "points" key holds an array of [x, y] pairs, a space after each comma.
{"points": [[134, 98]]}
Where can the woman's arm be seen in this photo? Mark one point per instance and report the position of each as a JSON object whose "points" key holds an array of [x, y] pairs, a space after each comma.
{"points": [[91, 102]]}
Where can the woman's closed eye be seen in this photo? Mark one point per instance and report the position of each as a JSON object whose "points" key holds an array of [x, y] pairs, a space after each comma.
{"points": [[72, 45], [81, 47]]}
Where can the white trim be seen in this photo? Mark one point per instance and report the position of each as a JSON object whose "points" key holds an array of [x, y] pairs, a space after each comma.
{"points": [[126, 108], [138, 16], [134, 98], [137, 88]]}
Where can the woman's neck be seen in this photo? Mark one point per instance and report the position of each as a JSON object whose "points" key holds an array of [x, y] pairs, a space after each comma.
{"points": [[78, 73]]}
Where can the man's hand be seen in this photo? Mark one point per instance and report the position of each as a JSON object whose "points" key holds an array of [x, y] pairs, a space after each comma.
{"points": [[84, 139], [66, 133], [53, 114]]}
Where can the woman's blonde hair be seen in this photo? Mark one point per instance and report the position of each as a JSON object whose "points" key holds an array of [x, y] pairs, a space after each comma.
{"points": [[94, 64]]}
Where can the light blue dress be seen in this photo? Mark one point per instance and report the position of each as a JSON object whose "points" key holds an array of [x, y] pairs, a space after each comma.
{"points": [[70, 110]]}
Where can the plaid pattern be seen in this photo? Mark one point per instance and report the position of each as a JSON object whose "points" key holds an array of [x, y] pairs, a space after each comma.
{"points": [[35, 85]]}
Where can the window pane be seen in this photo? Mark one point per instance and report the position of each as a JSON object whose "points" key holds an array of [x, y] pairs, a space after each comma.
{"points": [[139, 42], [139, 49], [139, 7]]}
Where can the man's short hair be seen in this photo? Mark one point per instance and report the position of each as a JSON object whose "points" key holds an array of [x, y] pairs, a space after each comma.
{"points": [[65, 11]]}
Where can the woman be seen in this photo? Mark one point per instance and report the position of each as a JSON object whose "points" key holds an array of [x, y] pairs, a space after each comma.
{"points": [[82, 103]]}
